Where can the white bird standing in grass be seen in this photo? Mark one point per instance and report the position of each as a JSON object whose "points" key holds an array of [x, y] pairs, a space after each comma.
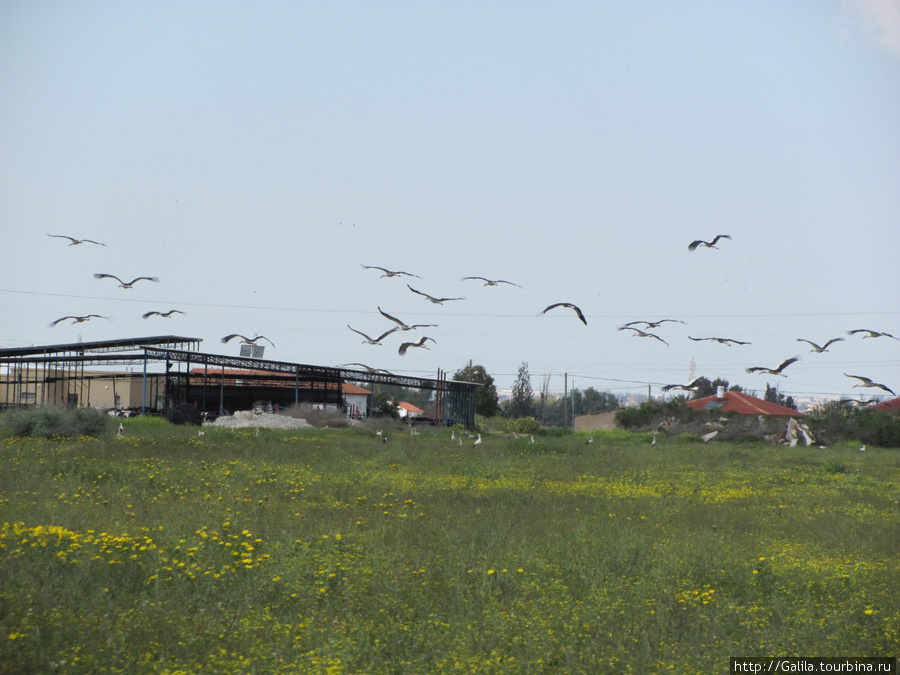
{"points": [[121, 431], [477, 440], [590, 441]]}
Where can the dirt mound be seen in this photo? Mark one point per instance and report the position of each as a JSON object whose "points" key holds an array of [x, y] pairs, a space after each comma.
{"points": [[249, 418]]}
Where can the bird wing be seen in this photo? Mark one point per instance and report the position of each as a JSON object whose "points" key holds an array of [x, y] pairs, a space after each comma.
{"points": [[881, 386], [63, 236], [232, 336], [570, 306], [757, 369], [658, 338], [360, 333], [263, 337], [109, 276], [65, 317], [720, 236], [147, 315], [694, 244], [699, 339], [91, 241], [421, 293], [479, 278], [832, 341], [143, 278], [404, 347], [810, 342], [786, 363], [386, 333], [392, 318], [860, 378], [375, 267]]}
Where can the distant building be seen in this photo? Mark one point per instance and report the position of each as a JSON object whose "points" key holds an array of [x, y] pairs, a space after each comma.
{"points": [[743, 404], [408, 410], [892, 406]]}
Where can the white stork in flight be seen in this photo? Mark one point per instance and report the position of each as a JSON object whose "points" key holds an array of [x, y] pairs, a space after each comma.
{"points": [[165, 315], [722, 341], [707, 244], [865, 383], [492, 282], [75, 242], [246, 340], [420, 343], [574, 308], [640, 333], [774, 371], [403, 326], [390, 273], [871, 333], [816, 348], [123, 284], [652, 324], [79, 319], [436, 301], [373, 341]]}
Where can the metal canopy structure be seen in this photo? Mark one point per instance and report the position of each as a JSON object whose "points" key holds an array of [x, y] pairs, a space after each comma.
{"points": [[55, 374]]}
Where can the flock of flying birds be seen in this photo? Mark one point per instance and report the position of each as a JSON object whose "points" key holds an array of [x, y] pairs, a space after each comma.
{"points": [[640, 328]]}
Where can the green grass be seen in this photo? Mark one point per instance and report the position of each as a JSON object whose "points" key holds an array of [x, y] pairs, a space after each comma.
{"points": [[327, 551]]}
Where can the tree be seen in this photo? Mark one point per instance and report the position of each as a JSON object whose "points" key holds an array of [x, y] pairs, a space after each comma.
{"points": [[522, 402], [486, 400], [772, 395]]}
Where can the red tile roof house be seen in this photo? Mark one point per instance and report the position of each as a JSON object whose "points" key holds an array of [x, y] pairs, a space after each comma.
{"points": [[409, 410], [892, 406], [750, 406], [743, 404]]}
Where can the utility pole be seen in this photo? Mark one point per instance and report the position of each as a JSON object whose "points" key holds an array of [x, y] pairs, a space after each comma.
{"points": [[566, 401]]}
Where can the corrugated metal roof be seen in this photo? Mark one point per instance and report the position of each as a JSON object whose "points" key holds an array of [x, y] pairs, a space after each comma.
{"points": [[743, 404]]}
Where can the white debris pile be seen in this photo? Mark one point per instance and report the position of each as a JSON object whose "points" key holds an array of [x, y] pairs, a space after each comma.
{"points": [[249, 418]]}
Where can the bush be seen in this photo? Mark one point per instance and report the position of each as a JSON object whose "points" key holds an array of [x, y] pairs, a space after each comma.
{"points": [[520, 425], [57, 422], [838, 423]]}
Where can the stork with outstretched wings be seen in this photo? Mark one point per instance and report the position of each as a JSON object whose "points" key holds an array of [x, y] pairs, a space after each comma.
{"points": [[823, 348], [246, 340], [78, 319], [123, 284], [74, 241], [720, 340], [436, 301], [420, 343], [373, 341], [574, 308], [403, 326], [774, 371], [640, 333], [866, 383], [492, 282], [390, 273], [165, 315], [707, 244]]}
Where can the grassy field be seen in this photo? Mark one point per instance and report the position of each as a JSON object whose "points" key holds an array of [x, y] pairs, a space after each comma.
{"points": [[328, 551]]}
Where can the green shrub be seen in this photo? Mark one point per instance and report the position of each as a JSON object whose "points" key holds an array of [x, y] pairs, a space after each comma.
{"points": [[57, 422], [520, 425]]}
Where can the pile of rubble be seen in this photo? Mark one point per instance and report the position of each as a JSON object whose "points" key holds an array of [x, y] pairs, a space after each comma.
{"points": [[251, 418]]}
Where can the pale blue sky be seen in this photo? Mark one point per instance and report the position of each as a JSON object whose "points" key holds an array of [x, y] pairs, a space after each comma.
{"points": [[254, 155]]}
